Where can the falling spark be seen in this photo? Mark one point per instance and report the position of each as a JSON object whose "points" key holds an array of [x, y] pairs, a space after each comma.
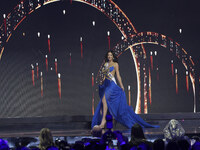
{"points": [[157, 71], [70, 58], [172, 67], [129, 95], [46, 60], [37, 68], [81, 42], [59, 85], [49, 43], [41, 79], [108, 33], [5, 26], [93, 103], [33, 76], [92, 79], [56, 65], [64, 12], [176, 72], [187, 81], [151, 59]]}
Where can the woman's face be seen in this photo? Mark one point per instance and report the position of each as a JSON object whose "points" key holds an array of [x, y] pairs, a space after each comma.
{"points": [[110, 56]]}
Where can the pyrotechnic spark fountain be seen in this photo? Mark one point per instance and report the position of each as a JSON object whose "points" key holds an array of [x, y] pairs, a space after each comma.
{"points": [[41, 82], [187, 81], [81, 42], [151, 59], [70, 58], [49, 46], [33, 75], [56, 65], [59, 85], [129, 95], [37, 68], [172, 67], [46, 60], [157, 73], [176, 72], [108, 36], [5, 23]]}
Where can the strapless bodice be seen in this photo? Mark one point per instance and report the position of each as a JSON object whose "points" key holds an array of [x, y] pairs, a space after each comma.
{"points": [[111, 68]]}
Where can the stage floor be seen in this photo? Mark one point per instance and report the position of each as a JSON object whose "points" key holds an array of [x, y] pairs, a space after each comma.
{"points": [[73, 128]]}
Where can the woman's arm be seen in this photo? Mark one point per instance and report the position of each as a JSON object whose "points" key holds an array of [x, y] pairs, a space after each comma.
{"points": [[104, 71], [118, 76]]}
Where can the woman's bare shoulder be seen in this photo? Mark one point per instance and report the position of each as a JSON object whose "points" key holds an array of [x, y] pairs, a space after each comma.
{"points": [[115, 64]]}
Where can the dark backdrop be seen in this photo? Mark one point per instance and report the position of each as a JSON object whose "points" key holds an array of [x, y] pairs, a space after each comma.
{"points": [[19, 98]]}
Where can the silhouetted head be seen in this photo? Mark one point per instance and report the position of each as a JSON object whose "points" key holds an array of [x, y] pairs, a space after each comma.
{"points": [[137, 132], [183, 144], [172, 145], [46, 138], [158, 144], [96, 131]]}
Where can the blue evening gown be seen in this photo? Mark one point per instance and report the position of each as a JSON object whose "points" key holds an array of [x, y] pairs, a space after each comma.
{"points": [[117, 106]]}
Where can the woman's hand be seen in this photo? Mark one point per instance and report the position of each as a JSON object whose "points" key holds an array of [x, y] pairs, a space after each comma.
{"points": [[122, 88], [105, 70]]}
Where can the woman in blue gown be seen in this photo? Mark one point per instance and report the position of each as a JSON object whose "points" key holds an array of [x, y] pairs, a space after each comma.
{"points": [[113, 98]]}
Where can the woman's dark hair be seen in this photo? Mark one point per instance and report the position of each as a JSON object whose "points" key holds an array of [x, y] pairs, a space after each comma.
{"points": [[137, 132], [114, 56]]}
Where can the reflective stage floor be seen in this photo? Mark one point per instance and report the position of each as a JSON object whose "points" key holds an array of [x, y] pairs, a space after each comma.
{"points": [[74, 128]]}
